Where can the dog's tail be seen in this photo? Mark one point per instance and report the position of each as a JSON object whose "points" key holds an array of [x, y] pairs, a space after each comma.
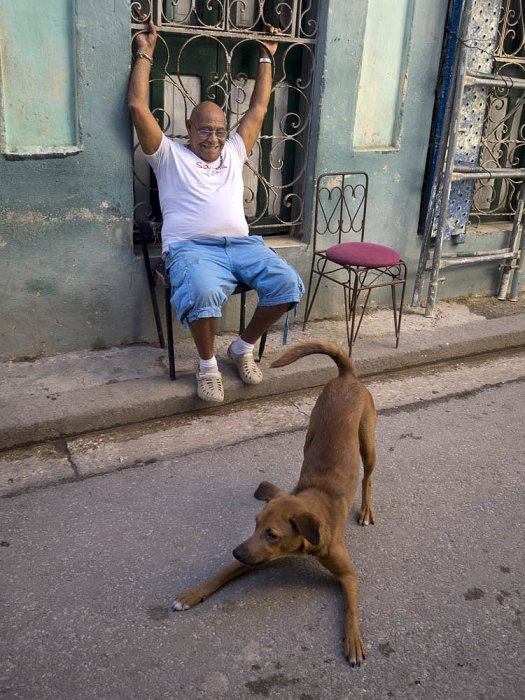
{"points": [[313, 347]]}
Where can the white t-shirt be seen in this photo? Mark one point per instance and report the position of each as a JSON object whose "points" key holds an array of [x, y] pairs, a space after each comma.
{"points": [[199, 199]]}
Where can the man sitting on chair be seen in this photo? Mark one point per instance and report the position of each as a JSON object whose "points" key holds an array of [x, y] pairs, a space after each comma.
{"points": [[205, 239]]}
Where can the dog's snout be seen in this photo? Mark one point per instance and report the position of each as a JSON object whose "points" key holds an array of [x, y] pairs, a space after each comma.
{"points": [[242, 554], [237, 553]]}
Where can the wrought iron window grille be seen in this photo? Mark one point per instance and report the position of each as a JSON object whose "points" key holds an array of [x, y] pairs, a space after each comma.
{"points": [[480, 165], [499, 83], [206, 51]]}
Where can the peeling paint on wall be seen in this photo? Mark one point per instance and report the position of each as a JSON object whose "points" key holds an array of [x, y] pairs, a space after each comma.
{"points": [[80, 214]]}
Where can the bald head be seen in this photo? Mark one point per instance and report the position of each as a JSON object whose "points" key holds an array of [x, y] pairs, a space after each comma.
{"points": [[207, 117], [207, 109]]}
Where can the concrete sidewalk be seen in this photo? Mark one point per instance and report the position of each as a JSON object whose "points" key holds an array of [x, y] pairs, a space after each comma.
{"points": [[80, 392]]}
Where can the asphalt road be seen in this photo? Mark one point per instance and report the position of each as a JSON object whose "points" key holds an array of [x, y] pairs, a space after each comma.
{"points": [[88, 569]]}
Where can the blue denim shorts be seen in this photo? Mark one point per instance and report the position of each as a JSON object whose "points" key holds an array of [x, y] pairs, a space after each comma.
{"points": [[205, 271]]}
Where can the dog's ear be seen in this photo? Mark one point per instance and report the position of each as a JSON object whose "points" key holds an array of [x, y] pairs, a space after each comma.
{"points": [[266, 491], [307, 526]]}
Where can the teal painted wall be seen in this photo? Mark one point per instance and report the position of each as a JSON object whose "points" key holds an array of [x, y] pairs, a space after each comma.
{"points": [[39, 77], [68, 275], [386, 43], [69, 278]]}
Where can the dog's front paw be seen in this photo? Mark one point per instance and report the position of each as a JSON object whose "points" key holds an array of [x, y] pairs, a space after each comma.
{"points": [[354, 649], [366, 515], [187, 599]]}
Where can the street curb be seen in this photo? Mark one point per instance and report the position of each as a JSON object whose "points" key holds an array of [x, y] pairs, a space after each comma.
{"points": [[123, 403]]}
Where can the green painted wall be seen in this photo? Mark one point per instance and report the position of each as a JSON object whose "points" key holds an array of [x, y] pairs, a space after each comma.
{"points": [[39, 77], [69, 278], [68, 275]]}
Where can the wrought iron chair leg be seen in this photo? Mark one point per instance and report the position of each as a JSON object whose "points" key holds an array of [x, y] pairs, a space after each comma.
{"points": [[307, 308], [393, 293], [397, 318], [169, 332], [398, 311], [262, 345], [309, 304], [242, 321], [151, 285], [365, 305], [346, 294], [353, 299]]}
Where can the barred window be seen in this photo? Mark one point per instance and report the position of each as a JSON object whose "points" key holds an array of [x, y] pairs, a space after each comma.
{"points": [[206, 51], [503, 129]]}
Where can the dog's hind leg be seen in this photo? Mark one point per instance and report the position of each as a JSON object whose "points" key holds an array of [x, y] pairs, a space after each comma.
{"points": [[367, 448], [187, 599]]}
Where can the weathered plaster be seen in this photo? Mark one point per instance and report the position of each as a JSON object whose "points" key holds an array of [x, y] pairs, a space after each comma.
{"points": [[69, 278], [383, 79], [39, 81]]}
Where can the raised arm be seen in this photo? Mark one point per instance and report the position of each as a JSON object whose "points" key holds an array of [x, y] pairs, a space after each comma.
{"points": [[251, 123], [148, 131]]}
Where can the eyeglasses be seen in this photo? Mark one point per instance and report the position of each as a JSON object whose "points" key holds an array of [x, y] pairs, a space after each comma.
{"points": [[206, 133]]}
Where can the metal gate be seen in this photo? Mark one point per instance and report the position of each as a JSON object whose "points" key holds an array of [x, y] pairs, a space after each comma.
{"points": [[206, 52]]}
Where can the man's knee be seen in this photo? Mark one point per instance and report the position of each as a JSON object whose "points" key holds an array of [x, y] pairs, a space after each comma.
{"points": [[280, 285]]}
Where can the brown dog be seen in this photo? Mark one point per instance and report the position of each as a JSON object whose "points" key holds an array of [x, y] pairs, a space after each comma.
{"points": [[311, 520]]}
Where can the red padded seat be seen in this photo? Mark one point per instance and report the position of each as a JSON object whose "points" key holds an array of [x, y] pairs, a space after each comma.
{"points": [[363, 255]]}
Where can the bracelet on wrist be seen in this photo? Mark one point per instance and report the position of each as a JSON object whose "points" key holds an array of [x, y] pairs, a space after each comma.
{"points": [[141, 54]]}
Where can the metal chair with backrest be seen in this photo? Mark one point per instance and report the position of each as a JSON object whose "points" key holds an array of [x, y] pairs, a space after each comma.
{"points": [[358, 266], [155, 274]]}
